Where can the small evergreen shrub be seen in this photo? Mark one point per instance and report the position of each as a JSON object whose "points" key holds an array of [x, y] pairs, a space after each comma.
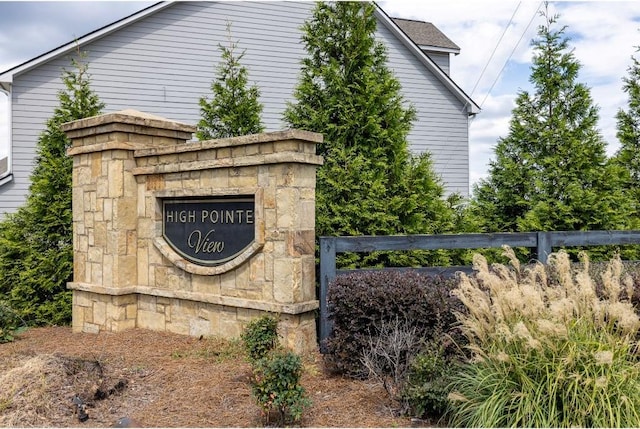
{"points": [[276, 387], [260, 336], [359, 302], [427, 382], [276, 373], [10, 323], [549, 351]]}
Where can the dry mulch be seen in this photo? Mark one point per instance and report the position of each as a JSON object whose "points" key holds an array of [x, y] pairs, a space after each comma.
{"points": [[53, 377]]}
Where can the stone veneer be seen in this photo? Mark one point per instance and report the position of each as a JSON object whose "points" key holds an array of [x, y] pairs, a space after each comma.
{"points": [[126, 275]]}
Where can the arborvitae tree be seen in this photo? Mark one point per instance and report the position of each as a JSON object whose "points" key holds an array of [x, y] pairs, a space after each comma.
{"points": [[234, 109], [551, 171], [370, 183], [628, 156], [36, 249]]}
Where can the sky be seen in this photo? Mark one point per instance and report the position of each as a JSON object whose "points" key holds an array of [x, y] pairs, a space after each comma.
{"points": [[494, 37]]}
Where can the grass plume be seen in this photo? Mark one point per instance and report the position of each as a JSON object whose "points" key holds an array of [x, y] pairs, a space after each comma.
{"points": [[548, 351]]}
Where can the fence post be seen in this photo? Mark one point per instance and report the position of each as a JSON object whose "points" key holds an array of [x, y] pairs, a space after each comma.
{"points": [[544, 246], [327, 274]]}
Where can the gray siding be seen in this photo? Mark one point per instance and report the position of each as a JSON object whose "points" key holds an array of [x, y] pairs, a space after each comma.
{"points": [[165, 62], [442, 125], [442, 60]]}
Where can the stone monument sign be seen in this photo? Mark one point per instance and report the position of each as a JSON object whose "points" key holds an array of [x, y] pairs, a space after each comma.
{"points": [[195, 238]]}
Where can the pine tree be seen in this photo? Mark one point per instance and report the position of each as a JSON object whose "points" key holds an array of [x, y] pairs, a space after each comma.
{"points": [[36, 249], [551, 171], [628, 156], [370, 183], [234, 109]]}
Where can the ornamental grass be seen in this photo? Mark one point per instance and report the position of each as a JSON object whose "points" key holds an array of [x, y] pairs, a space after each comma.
{"points": [[547, 350]]}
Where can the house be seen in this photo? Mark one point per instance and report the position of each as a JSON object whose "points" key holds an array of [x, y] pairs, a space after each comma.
{"points": [[162, 59]]}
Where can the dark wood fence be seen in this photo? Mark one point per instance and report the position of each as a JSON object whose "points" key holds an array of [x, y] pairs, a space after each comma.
{"points": [[542, 242]]}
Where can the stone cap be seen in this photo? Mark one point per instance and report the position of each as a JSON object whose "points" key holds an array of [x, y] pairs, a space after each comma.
{"points": [[128, 121], [231, 142]]}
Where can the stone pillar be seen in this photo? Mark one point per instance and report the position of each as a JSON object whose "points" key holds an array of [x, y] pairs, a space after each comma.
{"points": [[105, 213], [127, 166]]}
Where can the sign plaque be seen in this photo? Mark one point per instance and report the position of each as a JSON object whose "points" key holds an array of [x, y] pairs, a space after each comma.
{"points": [[209, 231]]}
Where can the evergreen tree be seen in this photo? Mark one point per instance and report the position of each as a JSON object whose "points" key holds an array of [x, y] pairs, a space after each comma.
{"points": [[551, 171], [234, 110], [628, 156], [370, 183], [36, 249]]}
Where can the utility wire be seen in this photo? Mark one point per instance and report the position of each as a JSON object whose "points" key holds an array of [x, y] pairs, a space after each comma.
{"points": [[510, 55], [495, 49]]}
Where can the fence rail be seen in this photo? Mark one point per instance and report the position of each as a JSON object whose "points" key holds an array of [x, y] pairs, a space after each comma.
{"points": [[543, 242]]}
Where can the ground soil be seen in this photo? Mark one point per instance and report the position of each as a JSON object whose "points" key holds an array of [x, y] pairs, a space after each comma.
{"points": [[53, 377]]}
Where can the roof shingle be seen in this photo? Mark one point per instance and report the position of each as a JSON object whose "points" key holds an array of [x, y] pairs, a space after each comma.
{"points": [[425, 33]]}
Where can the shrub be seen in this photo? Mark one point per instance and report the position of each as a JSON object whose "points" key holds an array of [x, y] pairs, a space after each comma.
{"points": [[260, 336], [276, 386], [548, 351], [360, 302], [10, 323], [428, 378]]}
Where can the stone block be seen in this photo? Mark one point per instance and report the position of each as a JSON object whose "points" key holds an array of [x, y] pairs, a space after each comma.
{"points": [[125, 213], [116, 178], [100, 312], [298, 332], [151, 320], [108, 210], [123, 325], [79, 267], [82, 298], [206, 284], [107, 272], [116, 312], [243, 181], [307, 214], [308, 282], [154, 182], [90, 328], [300, 243], [77, 318], [132, 311], [87, 314], [100, 234], [287, 275], [96, 273], [228, 283], [143, 266], [126, 270], [147, 302], [286, 207], [257, 268]]}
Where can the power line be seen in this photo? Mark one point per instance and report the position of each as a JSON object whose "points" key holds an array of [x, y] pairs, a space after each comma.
{"points": [[495, 48], [511, 54]]}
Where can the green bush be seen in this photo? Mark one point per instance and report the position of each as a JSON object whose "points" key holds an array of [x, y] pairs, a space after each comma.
{"points": [[36, 242], [10, 323], [427, 384], [361, 302], [548, 350], [260, 336], [276, 387]]}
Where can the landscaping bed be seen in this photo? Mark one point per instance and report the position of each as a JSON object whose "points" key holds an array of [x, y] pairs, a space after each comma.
{"points": [[51, 376]]}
